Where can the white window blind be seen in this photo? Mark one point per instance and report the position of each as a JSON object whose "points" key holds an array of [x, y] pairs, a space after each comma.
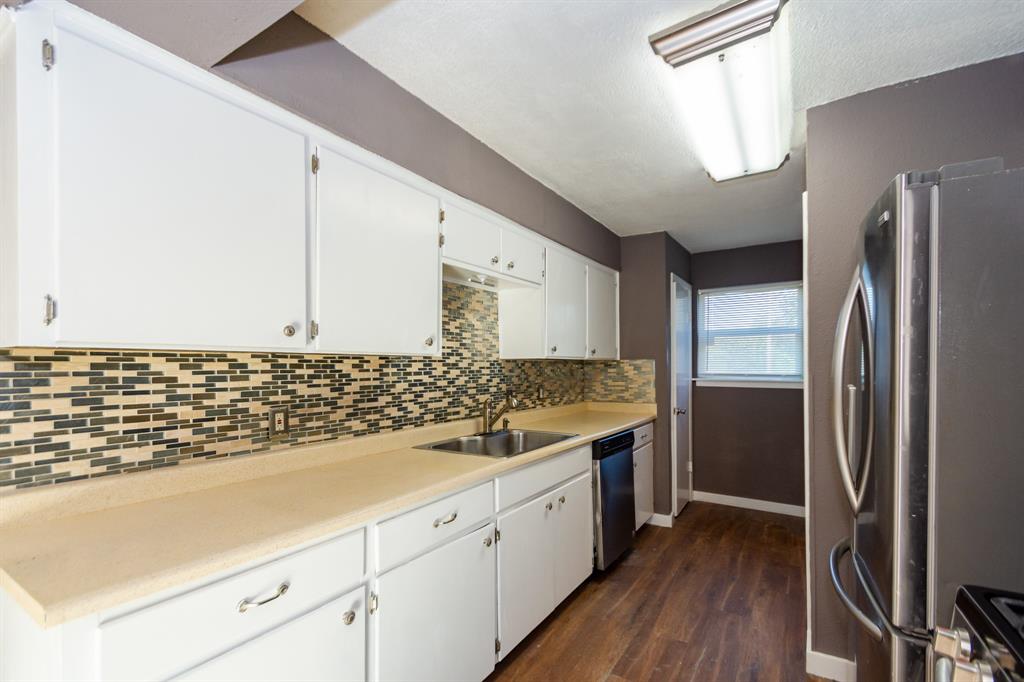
{"points": [[751, 332]]}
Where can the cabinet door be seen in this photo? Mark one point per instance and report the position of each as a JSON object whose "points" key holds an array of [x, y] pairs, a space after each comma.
{"points": [[378, 265], [526, 580], [471, 238], [328, 643], [574, 535], [643, 481], [602, 311], [522, 257], [181, 218], [566, 309], [435, 619]]}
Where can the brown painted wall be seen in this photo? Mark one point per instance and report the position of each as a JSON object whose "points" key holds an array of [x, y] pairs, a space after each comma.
{"points": [[855, 146], [748, 442], [303, 69], [647, 262]]}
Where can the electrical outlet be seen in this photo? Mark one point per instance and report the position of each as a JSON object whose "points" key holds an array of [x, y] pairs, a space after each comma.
{"points": [[278, 422], [541, 393]]}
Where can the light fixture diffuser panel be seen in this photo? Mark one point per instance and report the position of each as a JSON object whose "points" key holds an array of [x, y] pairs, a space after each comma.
{"points": [[736, 106]]}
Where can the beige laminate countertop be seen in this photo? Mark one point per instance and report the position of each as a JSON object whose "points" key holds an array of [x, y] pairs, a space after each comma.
{"points": [[62, 568]]}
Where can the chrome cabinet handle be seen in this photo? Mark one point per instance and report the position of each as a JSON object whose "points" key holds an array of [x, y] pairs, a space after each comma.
{"points": [[561, 500], [494, 261], [554, 349], [834, 557], [643, 436], [679, 410], [549, 506], [246, 604], [446, 520], [511, 265], [429, 341], [593, 351], [289, 330], [854, 491], [349, 617], [487, 541]]}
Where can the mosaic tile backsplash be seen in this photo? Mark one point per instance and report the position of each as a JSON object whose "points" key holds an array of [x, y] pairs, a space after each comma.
{"points": [[68, 415]]}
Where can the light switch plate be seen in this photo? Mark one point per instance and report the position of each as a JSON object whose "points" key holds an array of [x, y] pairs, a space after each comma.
{"points": [[279, 425]]}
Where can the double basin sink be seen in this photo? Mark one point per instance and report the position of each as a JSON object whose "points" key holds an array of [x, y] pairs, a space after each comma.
{"points": [[507, 443]]}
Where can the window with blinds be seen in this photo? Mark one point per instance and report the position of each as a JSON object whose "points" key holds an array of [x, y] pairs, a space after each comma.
{"points": [[753, 332]]}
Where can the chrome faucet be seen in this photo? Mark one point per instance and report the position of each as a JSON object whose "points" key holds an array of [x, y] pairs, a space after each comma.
{"points": [[490, 415]]}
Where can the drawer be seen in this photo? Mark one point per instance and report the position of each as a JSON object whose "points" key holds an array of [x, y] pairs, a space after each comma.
{"points": [[409, 534], [644, 435], [169, 637], [527, 482]]}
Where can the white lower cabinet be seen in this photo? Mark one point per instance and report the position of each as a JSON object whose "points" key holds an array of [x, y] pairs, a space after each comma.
{"points": [[435, 617], [546, 550], [643, 483], [328, 643]]}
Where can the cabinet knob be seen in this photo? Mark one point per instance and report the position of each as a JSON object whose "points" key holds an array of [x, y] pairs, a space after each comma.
{"points": [[593, 351], [549, 506], [554, 349], [289, 330], [494, 261], [511, 265], [349, 617], [429, 341], [561, 500], [487, 541]]}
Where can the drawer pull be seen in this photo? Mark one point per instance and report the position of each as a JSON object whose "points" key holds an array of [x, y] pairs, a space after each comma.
{"points": [[245, 604], [349, 617], [446, 520]]}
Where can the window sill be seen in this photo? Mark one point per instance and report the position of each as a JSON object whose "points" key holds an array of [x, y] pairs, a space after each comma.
{"points": [[751, 383]]}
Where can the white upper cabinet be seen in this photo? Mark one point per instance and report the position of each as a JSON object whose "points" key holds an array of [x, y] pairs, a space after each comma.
{"points": [[378, 262], [522, 257], [566, 305], [602, 314], [180, 218], [471, 239]]}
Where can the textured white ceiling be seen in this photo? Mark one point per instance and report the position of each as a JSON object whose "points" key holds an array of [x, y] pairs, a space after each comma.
{"points": [[571, 92]]}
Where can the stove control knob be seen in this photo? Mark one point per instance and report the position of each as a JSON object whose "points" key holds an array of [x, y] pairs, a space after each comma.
{"points": [[953, 643]]}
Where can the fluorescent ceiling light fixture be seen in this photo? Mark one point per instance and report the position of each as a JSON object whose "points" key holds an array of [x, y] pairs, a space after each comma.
{"points": [[732, 73]]}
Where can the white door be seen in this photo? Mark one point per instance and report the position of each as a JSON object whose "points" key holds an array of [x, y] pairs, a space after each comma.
{"points": [[436, 615], [378, 265], [682, 362], [471, 238], [574, 535], [602, 311], [526, 579], [328, 643], [181, 218], [643, 482], [566, 309], [522, 257]]}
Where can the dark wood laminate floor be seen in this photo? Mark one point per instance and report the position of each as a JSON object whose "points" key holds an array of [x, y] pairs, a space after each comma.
{"points": [[720, 596]]}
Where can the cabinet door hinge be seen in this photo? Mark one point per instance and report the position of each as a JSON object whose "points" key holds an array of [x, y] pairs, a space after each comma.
{"points": [[440, 240], [314, 164], [440, 215], [497, 645], [314, 329], [47, 55], [497, 535], [374, 603], [50, 310]]}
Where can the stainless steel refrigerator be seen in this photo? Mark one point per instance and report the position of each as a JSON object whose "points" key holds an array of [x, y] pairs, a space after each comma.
{"points": [[928, 409]]}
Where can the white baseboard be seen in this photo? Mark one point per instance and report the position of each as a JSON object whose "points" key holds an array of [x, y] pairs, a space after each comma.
{"points": [[831, 667], [748, 503], [663, 520]]}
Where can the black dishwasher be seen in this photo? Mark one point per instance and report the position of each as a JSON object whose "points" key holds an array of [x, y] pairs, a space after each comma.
{"points": [[614, 508]]}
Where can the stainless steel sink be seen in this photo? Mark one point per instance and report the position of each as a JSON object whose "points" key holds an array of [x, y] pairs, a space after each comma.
{"points": [[499, 443]]}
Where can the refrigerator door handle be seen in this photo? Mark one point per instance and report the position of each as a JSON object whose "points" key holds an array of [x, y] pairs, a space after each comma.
{"points": [[855, 297], [834, 557]]}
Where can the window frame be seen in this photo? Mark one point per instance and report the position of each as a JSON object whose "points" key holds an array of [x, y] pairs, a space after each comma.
{"points": [[703, 378]]}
